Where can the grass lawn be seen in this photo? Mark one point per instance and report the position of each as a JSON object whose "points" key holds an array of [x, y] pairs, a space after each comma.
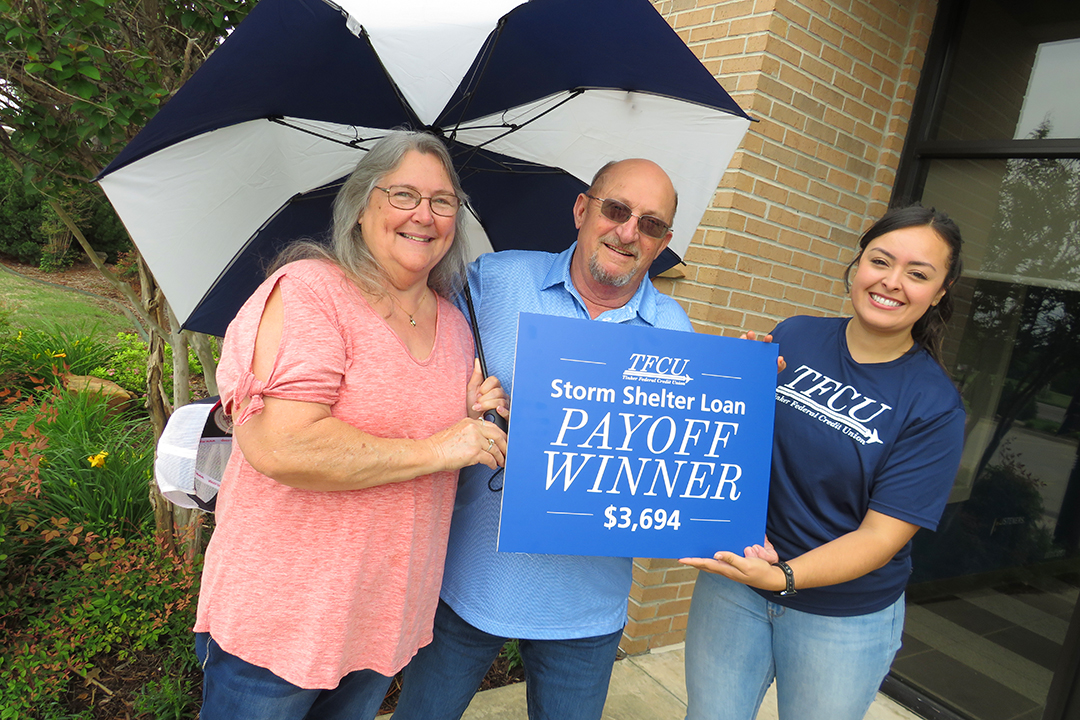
{"points": [[34, 305]]}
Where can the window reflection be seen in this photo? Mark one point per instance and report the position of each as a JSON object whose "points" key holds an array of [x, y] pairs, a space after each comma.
{"points": [[1017, 68], [1016, 357], [1048, 112], [992, 591]]}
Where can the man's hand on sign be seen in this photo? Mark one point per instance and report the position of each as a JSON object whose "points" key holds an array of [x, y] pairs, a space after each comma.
{"points": [[751, 335]]}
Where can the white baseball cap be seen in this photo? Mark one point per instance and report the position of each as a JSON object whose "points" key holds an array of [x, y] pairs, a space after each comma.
{"points": [[192, 453]]}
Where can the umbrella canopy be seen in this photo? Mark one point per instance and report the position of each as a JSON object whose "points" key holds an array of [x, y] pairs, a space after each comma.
{"points": [[530, 97]]}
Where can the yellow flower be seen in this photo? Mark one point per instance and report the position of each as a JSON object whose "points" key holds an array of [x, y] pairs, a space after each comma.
{"points": [[20, 335], [98, 460], [60, 353]]}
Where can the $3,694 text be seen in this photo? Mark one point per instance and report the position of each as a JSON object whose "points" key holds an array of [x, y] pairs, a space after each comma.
{"points": [[658, 519]]}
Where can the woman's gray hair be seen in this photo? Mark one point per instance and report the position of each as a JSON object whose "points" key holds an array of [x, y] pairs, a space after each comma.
{"points": [[347, 248]]}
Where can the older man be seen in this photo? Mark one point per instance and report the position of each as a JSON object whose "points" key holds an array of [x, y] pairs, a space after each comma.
{"points": [[568, 611]]}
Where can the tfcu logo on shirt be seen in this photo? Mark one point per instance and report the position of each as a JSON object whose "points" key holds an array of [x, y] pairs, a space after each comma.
{"points": [[832, 402], [657, 369]]}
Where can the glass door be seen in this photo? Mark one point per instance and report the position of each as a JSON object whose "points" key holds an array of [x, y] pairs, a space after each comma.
{"points": [[996, 145]]}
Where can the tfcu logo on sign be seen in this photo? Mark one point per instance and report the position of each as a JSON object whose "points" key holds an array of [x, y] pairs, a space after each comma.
{"points": [[657, 369]]}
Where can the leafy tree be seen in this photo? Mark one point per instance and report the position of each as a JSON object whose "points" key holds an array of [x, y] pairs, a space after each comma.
{"points": [[78, 80], [82, 78]]}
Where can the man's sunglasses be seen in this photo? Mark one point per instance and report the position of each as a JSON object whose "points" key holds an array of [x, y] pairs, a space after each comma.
{"points": [[617, 212]]}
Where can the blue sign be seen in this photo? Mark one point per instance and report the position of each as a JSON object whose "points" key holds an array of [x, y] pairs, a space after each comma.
{"points": [[631, 441]]}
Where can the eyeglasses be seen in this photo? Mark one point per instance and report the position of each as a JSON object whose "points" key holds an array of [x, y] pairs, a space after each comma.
{"points": [[405, 198], [617, 212]]}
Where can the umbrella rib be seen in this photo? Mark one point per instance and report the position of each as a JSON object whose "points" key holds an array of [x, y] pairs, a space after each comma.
{"points": [[508, 168], [470, 93], [354, 143], [473, 149], [390, 79], [414, 118]]}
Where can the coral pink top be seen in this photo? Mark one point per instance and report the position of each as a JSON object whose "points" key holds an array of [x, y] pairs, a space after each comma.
{"points": [[314, 585]]}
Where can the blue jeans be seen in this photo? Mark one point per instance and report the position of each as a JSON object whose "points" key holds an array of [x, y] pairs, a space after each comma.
{"points": [[826, 668], [234, 689], [564, 679]]}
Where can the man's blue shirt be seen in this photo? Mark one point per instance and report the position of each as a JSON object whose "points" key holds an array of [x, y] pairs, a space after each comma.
{"points": [[520, 595]]}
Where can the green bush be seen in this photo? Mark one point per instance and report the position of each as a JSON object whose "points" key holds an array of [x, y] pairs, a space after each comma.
{"points": [[126, 366], [80, 463], [51, 262], [512, 652], [26, 223], [21, 217], [104, 231], [104, 596], [82, 580], [170, 698], [1000, 526], [80, 573]]}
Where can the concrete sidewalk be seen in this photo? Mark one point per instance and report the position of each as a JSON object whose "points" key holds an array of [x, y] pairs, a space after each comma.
{"points": [[645, 687]]}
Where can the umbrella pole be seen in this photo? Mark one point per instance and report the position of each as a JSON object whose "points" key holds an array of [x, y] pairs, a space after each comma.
{"points": [[491, 416]]}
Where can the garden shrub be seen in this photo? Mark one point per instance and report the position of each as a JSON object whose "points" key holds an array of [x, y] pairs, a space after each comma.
{"points": [[126, 265], [80, 573], [26, 223], [103, 229], [168, 698], [103, 596], [126, 365], [21, 217], [1000, 526], [69, 456], [82, 581]]}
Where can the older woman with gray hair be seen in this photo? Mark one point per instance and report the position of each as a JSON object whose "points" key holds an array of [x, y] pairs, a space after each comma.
{"points": [[356, 398]]}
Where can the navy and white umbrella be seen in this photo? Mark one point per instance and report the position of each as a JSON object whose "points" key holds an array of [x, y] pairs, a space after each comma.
{"points": [[530, 97]]}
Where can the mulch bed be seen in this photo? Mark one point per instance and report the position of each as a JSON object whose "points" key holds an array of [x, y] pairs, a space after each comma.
{"points": [[111, 688], [81, 276], [113, 685]]}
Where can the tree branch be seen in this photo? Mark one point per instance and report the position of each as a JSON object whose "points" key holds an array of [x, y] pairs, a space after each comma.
{"points": [[108, 274]]}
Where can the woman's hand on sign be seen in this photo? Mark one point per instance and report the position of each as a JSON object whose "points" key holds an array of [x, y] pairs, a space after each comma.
{"points": [[765, 551], [751, 335], [755, 567]]}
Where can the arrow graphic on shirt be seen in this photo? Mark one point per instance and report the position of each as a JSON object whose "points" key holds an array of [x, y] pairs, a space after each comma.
{"points": [[871, 435]]}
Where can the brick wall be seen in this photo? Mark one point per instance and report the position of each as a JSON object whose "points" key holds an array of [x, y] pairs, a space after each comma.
{"points": [[831, 83], [659, 601]]}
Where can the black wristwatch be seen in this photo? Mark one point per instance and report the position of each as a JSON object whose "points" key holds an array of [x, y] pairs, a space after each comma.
{"points": [[790, 576]]}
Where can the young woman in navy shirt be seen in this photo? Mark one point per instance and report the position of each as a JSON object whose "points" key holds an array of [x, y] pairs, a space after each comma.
{"points": [[868, 436]]}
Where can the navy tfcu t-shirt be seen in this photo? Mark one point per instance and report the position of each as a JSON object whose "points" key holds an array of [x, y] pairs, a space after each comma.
{"points": [[851, 438]]}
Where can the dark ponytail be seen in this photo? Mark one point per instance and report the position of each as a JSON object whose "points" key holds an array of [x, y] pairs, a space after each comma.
{"points": [[929, 330]]}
